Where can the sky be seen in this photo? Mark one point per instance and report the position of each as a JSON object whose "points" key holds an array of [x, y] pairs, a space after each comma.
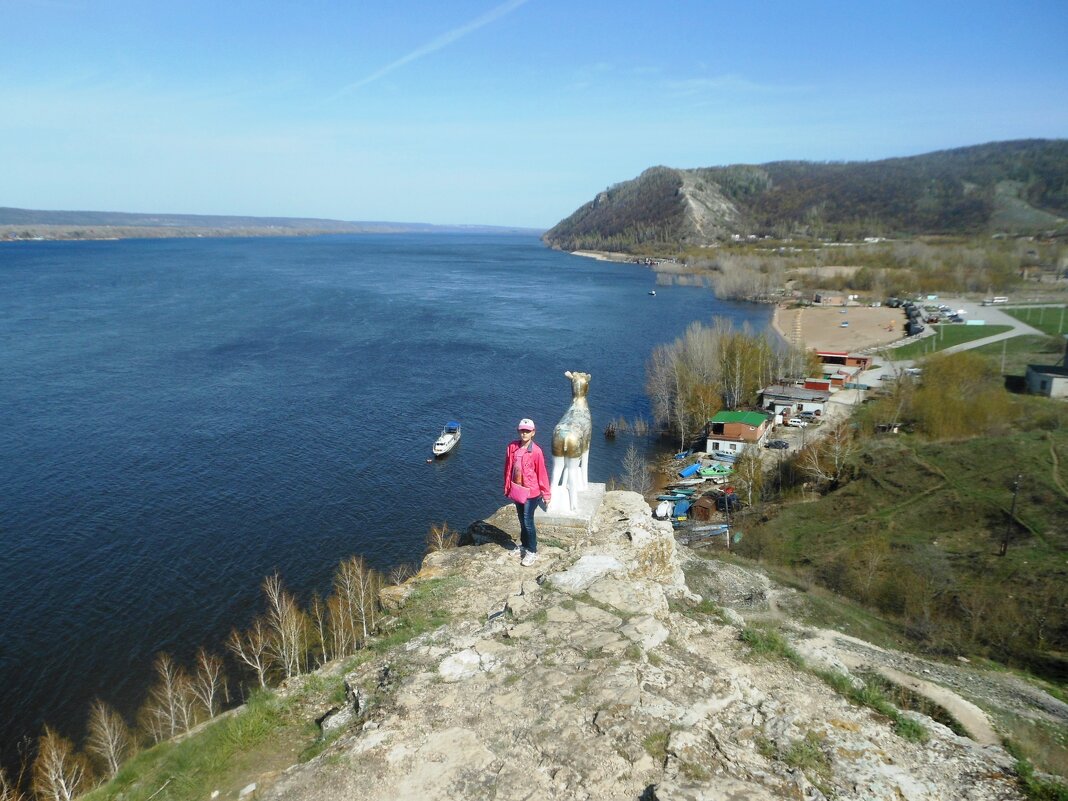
{"points": [[484, 112]]}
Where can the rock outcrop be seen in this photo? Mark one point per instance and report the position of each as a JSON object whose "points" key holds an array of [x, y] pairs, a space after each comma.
{"points": [[599, 674]]}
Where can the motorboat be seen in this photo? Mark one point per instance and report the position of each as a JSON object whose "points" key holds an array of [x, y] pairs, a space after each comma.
{"points": [[450, 435]]}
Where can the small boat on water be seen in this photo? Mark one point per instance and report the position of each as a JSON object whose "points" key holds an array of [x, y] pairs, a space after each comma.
{"points": [[450, 435], [652, 291]]}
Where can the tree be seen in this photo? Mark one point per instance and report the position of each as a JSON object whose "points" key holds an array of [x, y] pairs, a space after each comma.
{"points": [[439, 538], [636, 476], [353, 609], [826, 459], [168, 710], [9, 788], [749, 474], [109, 738], [252, 649], [961, 395], [209, 683], [287, 625], [59, 772]]}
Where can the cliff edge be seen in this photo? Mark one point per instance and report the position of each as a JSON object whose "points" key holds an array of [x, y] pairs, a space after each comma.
{"points": [[599, 674]]}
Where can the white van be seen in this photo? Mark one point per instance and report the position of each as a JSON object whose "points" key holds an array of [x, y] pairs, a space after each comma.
{"points": [[995, 300]]}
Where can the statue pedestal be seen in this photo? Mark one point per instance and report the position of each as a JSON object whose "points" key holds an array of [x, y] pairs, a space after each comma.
{"points": [[570, 526]]}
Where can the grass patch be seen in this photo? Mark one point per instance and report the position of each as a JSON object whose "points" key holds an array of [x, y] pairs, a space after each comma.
{"points": [[260, 737], [946, 335], [870, 694], [1051, 320], [808, 755], [1016, 353], [767, 642], [655, 745], [1036, 788], [425, 610], [915, 538]]}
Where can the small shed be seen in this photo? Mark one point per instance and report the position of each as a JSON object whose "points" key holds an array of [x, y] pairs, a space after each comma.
{"points": [[704, 508]]}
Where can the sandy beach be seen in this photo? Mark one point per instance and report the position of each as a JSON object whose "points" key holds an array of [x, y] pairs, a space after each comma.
{"points": [[820, 328]]}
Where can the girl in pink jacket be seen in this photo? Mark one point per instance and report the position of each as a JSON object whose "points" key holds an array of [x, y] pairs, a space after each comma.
{"points": [[526, 483]]}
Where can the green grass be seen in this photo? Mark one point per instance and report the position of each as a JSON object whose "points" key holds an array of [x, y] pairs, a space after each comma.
{"points": [[423, 611], [946, 336], [916, 537], [1052, 320], [260, 737], [1021, 351]]}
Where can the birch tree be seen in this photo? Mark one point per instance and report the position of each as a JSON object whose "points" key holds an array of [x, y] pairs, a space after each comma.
{"points": [[59, 772], [9, 788], [287, 625], [168, 709], [826, 460], [749, 474], [108, 738], [636, 476], [251, 649], [209, 682]]}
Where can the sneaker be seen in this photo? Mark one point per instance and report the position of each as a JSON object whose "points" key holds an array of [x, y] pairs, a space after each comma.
{"points": [[530, 558]]}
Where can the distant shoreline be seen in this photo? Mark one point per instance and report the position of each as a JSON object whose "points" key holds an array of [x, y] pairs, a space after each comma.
{"points": [[98, 233]]}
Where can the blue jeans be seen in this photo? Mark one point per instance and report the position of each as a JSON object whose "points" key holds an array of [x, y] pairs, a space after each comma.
{"points": [[528, 535]]}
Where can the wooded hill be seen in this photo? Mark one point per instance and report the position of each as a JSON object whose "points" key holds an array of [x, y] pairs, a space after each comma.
{"points": [[1008, 187]]}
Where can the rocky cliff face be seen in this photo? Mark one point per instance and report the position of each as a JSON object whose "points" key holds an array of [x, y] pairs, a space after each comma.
{"points": [[599, 674]]}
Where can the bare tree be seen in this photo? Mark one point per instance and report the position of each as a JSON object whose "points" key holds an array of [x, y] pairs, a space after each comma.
{"points": [[356, 588], [287, 625], [827, 459], [251, 649], [399, 574], [440, 538], [320, 627], [9, 788], [367, 609], [59, 772], [749, 474], [340, 624], [167, 710], [209, 682], [636, 476], [108, 737]]}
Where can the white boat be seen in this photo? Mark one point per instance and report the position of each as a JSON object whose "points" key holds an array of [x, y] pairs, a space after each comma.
{"points": [[450, 435], [652, 291]]}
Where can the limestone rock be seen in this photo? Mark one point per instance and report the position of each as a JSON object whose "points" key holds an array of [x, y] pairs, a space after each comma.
{"points": [[587, 681]]}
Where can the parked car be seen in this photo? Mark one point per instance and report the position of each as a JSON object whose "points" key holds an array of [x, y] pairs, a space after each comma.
{"points": [[777, 444], [797, 422], [844, 325], [810, 416]]}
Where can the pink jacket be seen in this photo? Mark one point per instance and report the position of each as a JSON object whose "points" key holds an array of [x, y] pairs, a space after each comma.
{"points": [[534, 472]]}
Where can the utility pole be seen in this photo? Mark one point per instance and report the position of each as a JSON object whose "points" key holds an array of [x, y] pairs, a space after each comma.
{"points": [[1004, 344], [1012, 516]]}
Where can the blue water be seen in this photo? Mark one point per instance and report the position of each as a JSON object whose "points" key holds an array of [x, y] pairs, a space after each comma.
{"points": [[180, 418]]}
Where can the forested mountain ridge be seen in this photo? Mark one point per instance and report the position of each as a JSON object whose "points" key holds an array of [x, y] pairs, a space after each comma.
{"points": [[1010, 187]]}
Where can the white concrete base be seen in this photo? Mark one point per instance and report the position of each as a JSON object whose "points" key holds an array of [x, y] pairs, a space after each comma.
{"points": [[589, 501]]}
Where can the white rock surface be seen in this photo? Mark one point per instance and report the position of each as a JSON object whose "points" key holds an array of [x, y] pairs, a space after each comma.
{"points": [[606, 682]]}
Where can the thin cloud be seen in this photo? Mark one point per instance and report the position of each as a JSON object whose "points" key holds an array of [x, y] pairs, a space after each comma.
{"points": [[725, 83], [436, 44]]}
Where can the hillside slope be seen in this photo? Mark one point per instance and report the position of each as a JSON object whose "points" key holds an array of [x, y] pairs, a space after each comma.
{"points": [[598, 674], [1012, 187]]}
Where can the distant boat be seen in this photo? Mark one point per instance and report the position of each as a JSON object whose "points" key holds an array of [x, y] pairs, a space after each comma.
{"points": [[652, 291], [450, 435]]}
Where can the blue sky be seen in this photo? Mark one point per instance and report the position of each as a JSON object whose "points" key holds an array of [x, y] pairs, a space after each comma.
{"points": [[504, 113]]}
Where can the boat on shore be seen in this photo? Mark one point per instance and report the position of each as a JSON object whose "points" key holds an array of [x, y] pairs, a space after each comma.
{"points": [[450, 435]]}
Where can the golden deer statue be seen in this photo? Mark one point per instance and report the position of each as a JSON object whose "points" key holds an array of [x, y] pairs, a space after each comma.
{"points": [[571, 447]]}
